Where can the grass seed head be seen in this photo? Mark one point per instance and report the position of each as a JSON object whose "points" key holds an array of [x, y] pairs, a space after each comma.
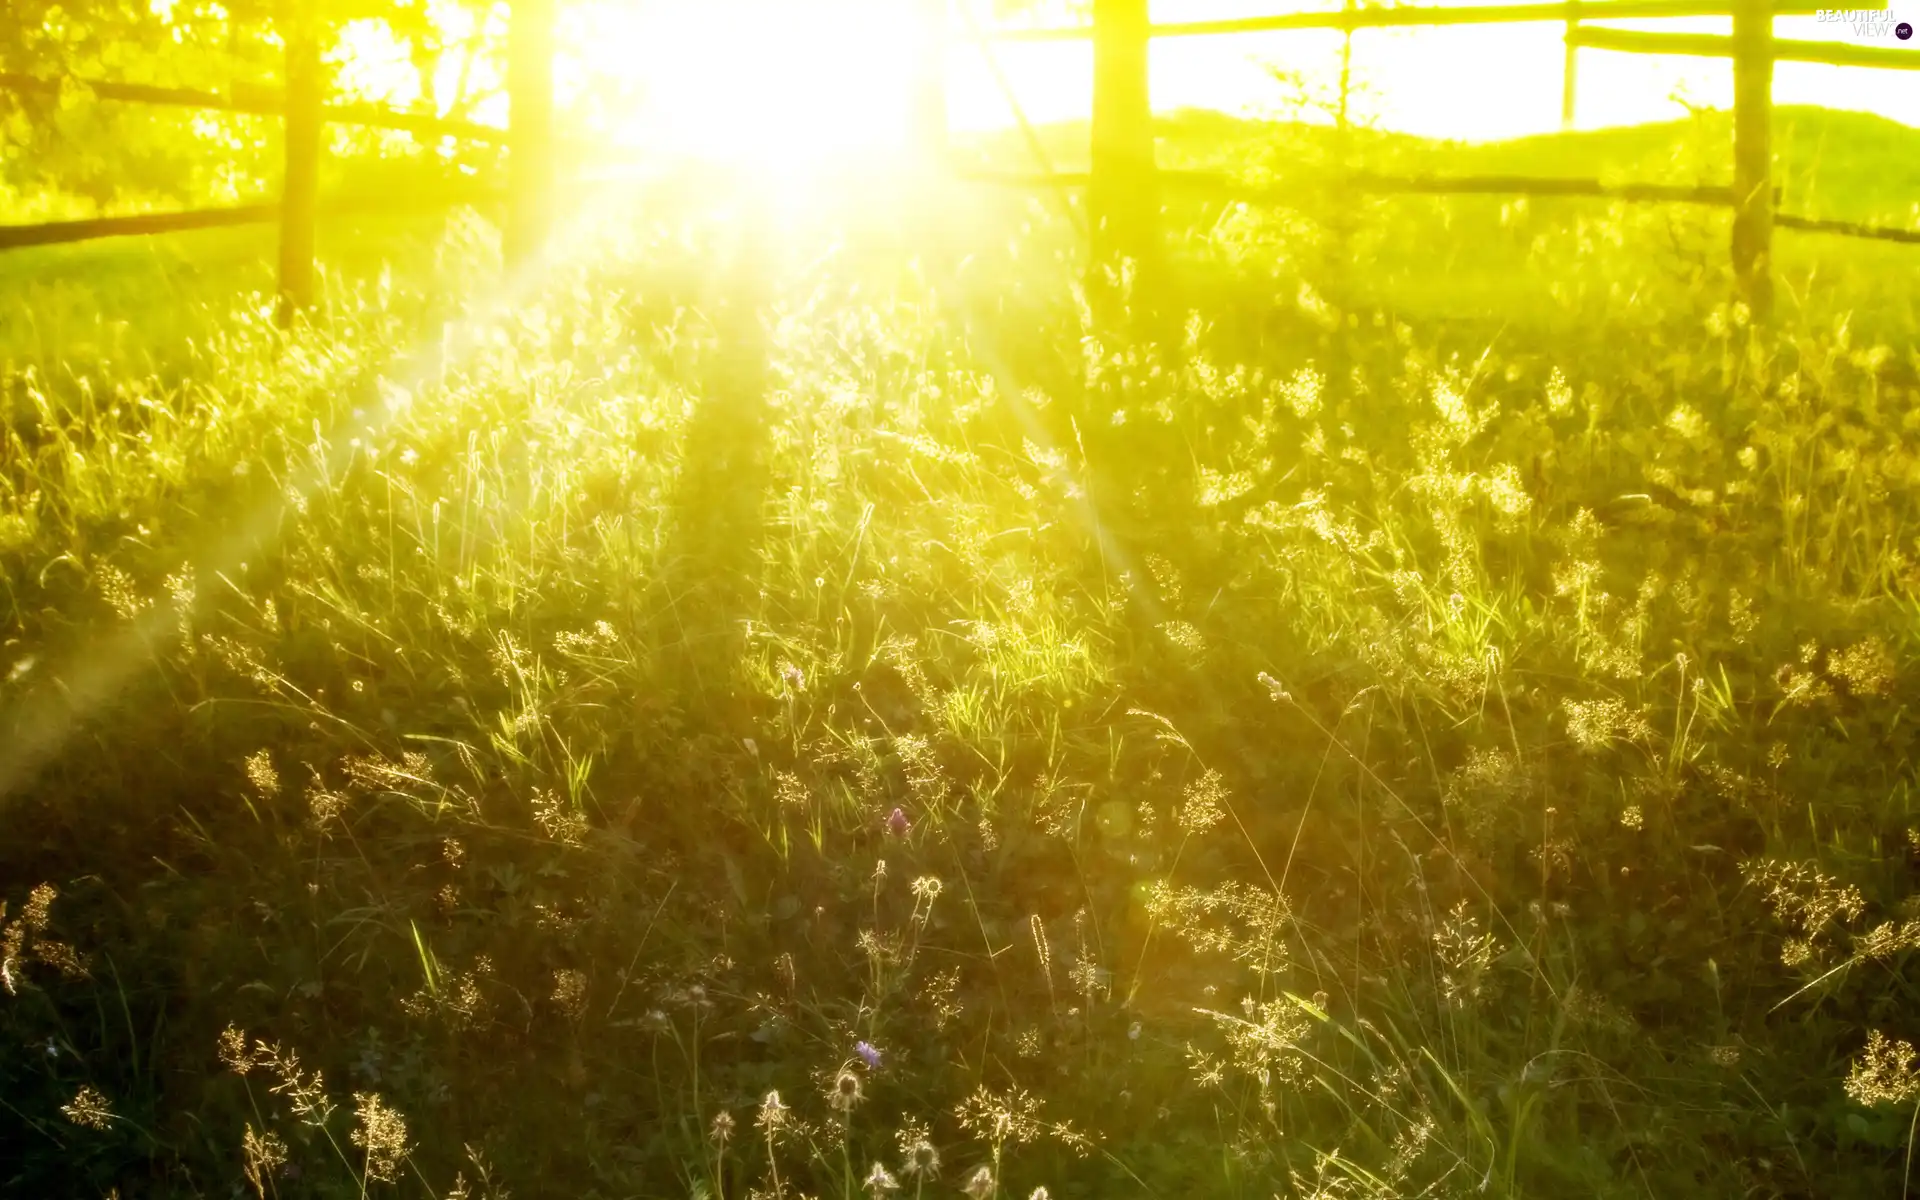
{"points": [[1885, 1074], [262, 1154], [381, 1133], [89, 1109]]}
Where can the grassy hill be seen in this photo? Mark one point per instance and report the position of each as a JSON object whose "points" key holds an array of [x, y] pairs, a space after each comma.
{"points": [[1565, 266]]}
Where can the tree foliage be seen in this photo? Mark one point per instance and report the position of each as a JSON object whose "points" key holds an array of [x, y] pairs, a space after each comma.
{"points": [[65, 146]]}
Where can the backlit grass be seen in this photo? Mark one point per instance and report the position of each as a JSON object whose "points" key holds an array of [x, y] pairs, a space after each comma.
{"points": [[818, 712]]}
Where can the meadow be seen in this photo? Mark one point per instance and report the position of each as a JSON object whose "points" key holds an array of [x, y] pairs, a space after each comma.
{"points": [[800, 701]]}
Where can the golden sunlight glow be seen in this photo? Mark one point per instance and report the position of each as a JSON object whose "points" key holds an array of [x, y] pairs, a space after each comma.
{"points": [[760, 82], [793, 85], [1471, 82]]}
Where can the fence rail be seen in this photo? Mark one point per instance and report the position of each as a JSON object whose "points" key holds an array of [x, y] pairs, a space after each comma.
{"points": [[257, 101], [1884, 233], [1711, 45], [1350, 19], [52, 233], [303, 108], [1224, 186], [264, 212]]}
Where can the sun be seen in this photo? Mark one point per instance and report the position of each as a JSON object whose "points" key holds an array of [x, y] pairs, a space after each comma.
{"points": [[759, 83]]}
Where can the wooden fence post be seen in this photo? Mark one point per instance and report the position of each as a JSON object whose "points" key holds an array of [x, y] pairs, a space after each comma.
{"points": [[1123, 193], [1753, 154], [300, 185], [1569, 77], [530, 119]]}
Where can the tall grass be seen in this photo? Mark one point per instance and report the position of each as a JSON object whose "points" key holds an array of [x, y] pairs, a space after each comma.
{"points": [[833, 717]]}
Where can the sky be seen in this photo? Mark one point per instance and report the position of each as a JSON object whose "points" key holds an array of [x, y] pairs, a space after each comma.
{"points": [[795, 79], [1468, 82]]}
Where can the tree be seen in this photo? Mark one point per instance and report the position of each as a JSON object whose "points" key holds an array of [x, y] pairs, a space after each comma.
{"points": [[67, 143]]}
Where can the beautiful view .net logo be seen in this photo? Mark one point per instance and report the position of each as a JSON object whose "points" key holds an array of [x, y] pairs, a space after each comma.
{"points": [[1867, 22]]}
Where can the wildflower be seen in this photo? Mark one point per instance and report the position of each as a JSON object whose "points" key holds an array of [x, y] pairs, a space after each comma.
{"points": [[845, 1094], [721, 1131], [868, 1055], [897, 823], [879, 1180], [89, 1108], [980, 1183]]}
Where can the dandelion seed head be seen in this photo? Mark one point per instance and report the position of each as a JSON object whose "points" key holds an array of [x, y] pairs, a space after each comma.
{"points": [[846, 1092], [922, 1160], [773, 1113], [979, 1185]]}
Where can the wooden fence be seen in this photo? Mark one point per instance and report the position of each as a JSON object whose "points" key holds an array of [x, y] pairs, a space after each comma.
{"points": [[1122, 136], [1124, 184], [303, 108]]}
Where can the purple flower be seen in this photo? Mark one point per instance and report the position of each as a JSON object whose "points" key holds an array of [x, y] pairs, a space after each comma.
{"points": [[897, 824], [865, 1049]]}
